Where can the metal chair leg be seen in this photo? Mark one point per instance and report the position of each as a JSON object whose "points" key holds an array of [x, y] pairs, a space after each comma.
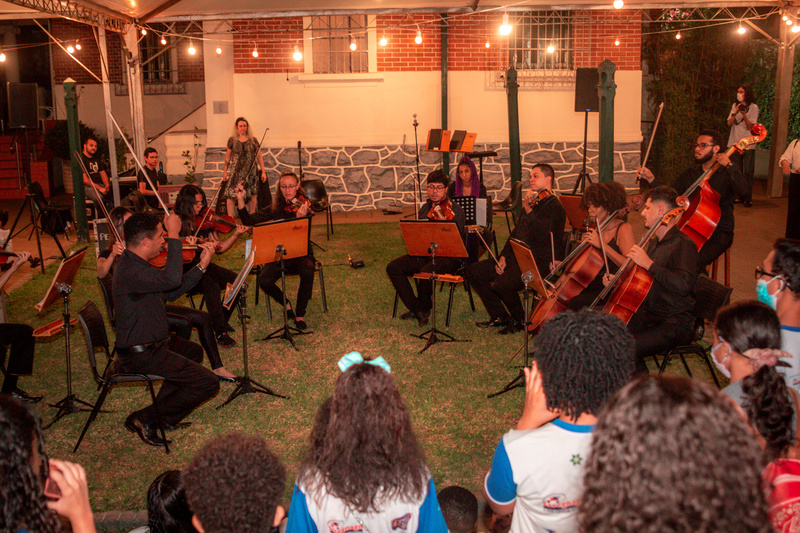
{"points": [[322, 288], [396, 303], [450, 305], [97, 406]]}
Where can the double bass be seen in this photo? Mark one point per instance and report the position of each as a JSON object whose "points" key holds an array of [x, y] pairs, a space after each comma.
{"points": [[580, 268], [703, 214], [632, 283]]}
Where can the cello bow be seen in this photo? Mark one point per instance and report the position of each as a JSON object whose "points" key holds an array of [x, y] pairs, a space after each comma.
{"points": [[652, 136]]}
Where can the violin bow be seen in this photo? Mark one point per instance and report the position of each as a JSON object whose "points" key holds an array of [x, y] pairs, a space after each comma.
{"points": [[100, 196], [208, 211], [477, 231], [652, 136], [602, 247], [552, 248], [253, 162], [139, 163]]}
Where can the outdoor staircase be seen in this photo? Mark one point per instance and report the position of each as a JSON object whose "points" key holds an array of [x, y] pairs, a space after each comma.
{"points": [[9, 175]]}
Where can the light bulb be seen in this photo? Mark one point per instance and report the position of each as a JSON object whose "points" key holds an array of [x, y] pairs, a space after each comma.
{"points": [[505, 27], [144, 31], [70, 49], [163, 40], [2, 57], [418, 38], [618, 4], [488, 45], [77, 46], [298, 56], [219, 51], [192, 51], [785, 18], [551, 49], [795, 28], [616, 43], [789, 22], [741, 29], [678, 36], [383, 41], [255, 52], [353, 45]]}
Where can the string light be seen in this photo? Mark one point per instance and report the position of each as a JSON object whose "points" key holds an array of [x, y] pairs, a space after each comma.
{"points": [[551, 49], [163, 39], [353, 45], [618, 4], [70, 49], [255, 50], [785, 18], [616, 42], [192, 50], [144, 32], [488, 45], [789, 21], [795, 28], [383, 41], [678, 36], [505, 27], [298, 55], [77, 45], [418, 38], [2, 57], [741, 29], [219, 50]]}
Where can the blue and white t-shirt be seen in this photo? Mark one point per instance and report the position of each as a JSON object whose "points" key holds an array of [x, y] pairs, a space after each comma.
{"points": [[790, 342], [541, 470]]}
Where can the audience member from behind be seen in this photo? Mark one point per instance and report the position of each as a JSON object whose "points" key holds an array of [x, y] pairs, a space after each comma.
{"points": [[778, 286], [459, 508], [669, 454], [582, 359], [747, 341], [365, 470], [27, 475], [167, 509], [234, 484]]}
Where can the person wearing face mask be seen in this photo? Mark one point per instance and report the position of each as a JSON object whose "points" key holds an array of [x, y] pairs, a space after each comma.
{"points": [[747, 341], [743, 114], [778, 285]]}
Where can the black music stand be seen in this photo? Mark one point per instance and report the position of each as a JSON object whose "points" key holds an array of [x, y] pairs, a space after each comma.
{"points": [[276, 242], [62, 286], [434, 239], [533, 282], [238, 293]]}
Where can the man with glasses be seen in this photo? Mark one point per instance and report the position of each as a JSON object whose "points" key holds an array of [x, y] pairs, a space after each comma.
{"points": [[438, 207], [778, 285], [727, 181]]}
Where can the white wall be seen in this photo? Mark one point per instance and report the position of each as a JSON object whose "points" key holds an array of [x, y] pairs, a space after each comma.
{"points": [[378, 110], [219, 82]]}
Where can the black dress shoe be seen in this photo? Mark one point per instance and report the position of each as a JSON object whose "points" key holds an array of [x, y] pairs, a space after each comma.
{"points": [[512, 327], [290, 313], [234, 379], [408, 315], [23, 396], [300, 324], [145, 431], [422, 317], [493, 323]]}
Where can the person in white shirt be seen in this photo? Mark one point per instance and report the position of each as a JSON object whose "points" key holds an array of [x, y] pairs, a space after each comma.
{"points": [[790, 163], [743, 115]]}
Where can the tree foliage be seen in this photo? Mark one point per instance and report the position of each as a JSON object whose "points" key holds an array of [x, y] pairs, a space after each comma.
{"points": [[762, 70]]}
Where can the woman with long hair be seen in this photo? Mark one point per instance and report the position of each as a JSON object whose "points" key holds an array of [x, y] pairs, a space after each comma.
{"points": [[747, 342], [365, 469], [743, 115], [189, 203], [241, 155], [34, 490], [468, 183]]}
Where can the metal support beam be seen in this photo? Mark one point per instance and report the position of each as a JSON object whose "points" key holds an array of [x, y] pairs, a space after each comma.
{"points": [[514, 157], [87, 12], [135, 91], [607, 90], [158, 9], [78, 195], [780, 114], [443, 38], [112, 145]]}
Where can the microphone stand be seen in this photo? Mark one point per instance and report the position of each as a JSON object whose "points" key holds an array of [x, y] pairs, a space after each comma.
{"points": [[418, 189]]}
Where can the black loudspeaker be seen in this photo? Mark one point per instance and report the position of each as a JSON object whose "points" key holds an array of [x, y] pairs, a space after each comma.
{"points": [[23, 105], [586, 82]]}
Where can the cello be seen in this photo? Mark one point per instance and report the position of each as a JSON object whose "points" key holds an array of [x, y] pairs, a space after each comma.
{"points": [[703, 214], [580, 268], [632, 283]]}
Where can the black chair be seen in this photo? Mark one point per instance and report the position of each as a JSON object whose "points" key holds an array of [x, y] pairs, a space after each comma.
{"points": [[453, 280], [136, 202], [94, 328], [317, 269], [710, 296], [510, 203], [108, 297], [318, 196], [52, 217]]}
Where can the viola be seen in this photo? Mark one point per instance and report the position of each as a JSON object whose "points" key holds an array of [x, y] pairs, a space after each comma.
{"points": [[580, 268], [703, 214], [4, 255], [632, 283], [207, 220]]}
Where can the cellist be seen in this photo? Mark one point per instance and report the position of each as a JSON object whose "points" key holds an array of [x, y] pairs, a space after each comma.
{"points": [[727, 181], [665, 318]]}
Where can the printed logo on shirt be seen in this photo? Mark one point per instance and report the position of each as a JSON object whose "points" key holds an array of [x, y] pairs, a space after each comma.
{"points": [[558, 503], [402, 522], [336, 526], [93, 167]]}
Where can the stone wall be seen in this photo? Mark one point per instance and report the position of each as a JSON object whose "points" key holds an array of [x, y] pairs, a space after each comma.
{"points": [[375, 177]]}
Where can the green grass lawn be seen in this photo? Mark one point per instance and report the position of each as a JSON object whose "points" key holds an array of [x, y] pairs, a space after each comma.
{"points": [[445, 388]]}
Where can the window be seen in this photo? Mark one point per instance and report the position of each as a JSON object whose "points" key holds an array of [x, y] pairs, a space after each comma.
{"points": [[542, 40], [157, 61], [332, 37]]}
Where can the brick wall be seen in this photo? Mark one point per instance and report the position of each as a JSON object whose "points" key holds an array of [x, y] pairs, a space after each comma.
{"points": [[467, 38], [275, 40], [598, 38], [402, 53]]}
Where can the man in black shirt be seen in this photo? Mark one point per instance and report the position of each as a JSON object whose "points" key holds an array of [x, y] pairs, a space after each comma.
{"points": [[541, 225], [98, 173], [143, 341], [665, 318], [150, 163], [727, 181]]}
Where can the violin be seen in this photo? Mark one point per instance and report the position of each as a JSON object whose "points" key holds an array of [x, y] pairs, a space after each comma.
{"points": [[297, 202], [4, 255], [207, 220], [533, 199], [703, 214], [580, 268], [632, 283], [188, 252]]}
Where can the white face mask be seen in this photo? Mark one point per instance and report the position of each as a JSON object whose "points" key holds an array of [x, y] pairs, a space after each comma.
{"points": [[740, 97], [719, 364]]}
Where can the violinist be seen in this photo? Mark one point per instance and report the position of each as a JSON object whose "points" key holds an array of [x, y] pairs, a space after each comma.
{"points": [[438, 207], [468, 183], [666, 317], [541, 225], [600, 200], [290, 202], [727, 181], [189, 204]]}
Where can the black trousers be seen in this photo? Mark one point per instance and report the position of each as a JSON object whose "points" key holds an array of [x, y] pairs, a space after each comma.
{"points": [[654, 335], [714, 247], [181, 322], [404, 266], [746, 163], [271, 273], [793, 215], [19, 338], [211, 286], [498, 292], [186, 383]]}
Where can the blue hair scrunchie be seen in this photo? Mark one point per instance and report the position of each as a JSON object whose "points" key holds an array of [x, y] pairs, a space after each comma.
{"points": [[354, 358]]}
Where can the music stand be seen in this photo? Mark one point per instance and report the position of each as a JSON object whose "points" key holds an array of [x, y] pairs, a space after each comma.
{"points": [[238, 292], [62, 286], [533, 282], [276, 242], [474, 209], [433, 239]]}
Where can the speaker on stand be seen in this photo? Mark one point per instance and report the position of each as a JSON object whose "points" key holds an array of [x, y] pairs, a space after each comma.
{"points": [[586, 100]]}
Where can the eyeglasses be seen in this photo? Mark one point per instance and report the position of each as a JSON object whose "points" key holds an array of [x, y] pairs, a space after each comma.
{"points": [[702, 145], [761, 272], [288, 187], [436, 187]]}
